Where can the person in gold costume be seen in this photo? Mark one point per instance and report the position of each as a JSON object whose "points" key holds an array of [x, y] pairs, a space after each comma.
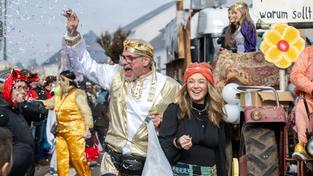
{"points": [[137, 93], [73, 122]]}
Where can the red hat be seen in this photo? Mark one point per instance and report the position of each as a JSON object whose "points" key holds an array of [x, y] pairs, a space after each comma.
{"points": [[203, 68], [12, 78]]}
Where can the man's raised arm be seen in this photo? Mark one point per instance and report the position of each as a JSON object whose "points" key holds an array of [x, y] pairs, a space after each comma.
{"points": [[79, 57]]}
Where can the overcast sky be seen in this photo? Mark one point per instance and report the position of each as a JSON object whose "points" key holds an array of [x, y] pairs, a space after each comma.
{"points": [[35, 27]]}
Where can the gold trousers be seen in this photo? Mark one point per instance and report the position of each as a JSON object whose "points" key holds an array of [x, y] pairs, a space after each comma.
{"points": [[71, 147]]}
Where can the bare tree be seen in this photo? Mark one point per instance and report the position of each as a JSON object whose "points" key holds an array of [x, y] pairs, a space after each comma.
{"points": [[113, 43]]}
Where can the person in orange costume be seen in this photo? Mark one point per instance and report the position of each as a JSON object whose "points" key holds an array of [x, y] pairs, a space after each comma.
{"points": [[301, 76], [73, 122]]}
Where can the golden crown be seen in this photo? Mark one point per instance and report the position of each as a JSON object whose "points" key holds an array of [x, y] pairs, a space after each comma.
{"points": [[139, 47]]}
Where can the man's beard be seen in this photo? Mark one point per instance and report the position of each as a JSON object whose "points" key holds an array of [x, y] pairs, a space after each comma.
{"points": [[134, 76]]}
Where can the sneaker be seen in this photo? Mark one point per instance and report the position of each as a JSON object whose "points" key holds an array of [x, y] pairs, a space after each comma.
{"points": [[92, 163], [52, 172], [300, 152]]}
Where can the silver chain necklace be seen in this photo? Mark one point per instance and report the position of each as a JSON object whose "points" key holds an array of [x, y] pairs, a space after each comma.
{"points": [[199, 111]]}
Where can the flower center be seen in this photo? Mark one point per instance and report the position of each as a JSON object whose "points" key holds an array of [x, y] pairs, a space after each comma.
{"points": [[283, 45]]}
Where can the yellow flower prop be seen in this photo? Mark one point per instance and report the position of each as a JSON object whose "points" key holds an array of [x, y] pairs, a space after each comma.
{"points": [[282, 45]]}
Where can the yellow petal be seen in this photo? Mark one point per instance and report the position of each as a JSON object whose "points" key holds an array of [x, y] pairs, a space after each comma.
{"points": [[279, 27], [292, 54], [265, 46], [283, 63], [299, 44], [272, 55], [272, 37], [291, 35]]}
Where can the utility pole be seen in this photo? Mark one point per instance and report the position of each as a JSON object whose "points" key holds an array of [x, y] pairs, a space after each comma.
{"points": [[183, 37], [3, 29]]}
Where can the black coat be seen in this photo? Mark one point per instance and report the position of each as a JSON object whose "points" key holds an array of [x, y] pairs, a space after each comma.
{"points": [[208, 140], [23, 142]]}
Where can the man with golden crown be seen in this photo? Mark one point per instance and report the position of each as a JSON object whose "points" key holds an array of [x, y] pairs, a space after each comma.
{"points": [[137, 92]]}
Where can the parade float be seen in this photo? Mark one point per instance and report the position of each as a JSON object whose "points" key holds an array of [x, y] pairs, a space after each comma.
{"points": [[258, 97], [256, 82]]}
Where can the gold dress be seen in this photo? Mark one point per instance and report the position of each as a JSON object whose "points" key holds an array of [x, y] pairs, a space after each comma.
{"points": [[73, 118]]}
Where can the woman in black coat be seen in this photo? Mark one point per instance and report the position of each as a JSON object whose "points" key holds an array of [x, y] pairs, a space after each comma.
{"points": [[192, 134]]}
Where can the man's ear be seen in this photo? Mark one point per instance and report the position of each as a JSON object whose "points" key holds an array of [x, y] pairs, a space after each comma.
{"points": [[5, 169], [147, 61]]}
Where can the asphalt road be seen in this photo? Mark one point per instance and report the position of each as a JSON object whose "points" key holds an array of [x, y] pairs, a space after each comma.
{"points": [[43, 170]]}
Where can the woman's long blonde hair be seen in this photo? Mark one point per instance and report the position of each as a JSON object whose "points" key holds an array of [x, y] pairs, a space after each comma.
{"points": [[244, 10], [214, 103], [231, 29]]}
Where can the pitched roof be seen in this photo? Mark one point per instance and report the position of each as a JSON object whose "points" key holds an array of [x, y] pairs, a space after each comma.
{"points": [[95, 50], [148, 16]]}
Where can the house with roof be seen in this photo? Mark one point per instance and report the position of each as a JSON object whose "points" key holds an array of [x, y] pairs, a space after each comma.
{"points": [[58, 61], [149, 28]]}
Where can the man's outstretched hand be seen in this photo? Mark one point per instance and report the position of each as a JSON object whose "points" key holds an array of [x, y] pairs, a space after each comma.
{"points": [[71, 23], [156, 118]]}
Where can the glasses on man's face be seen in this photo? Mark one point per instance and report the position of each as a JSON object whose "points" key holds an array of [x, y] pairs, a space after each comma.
{"points": [[128, 58], [20, 87]]}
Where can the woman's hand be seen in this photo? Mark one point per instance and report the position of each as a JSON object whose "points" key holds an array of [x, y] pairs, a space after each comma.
{"points": [[185, 142], [87, 134]]}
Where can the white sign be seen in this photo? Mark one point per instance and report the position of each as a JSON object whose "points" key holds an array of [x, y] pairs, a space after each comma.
{"points": [[283, 11]]}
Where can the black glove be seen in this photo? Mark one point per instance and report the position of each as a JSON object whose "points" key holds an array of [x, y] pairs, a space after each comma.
{"points": [[33, 110]]}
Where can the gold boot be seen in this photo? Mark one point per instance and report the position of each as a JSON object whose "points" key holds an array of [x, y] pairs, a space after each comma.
{"points": [[300, 152]]}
